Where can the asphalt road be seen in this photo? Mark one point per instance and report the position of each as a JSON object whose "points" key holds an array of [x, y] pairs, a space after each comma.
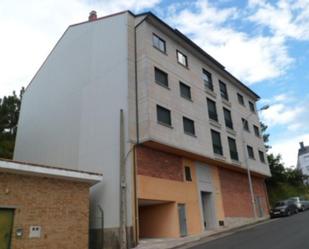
{"points": [[282, 233]]}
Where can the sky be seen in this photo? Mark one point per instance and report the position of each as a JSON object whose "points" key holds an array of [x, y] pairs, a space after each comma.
{"points": [[263, 43]]}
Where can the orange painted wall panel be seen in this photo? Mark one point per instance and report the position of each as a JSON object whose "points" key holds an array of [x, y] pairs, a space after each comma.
{"points": [[152, 188]]}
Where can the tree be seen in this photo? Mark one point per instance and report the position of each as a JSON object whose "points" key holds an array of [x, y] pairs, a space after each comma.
{"points": [[265, 135], [9, 113]]}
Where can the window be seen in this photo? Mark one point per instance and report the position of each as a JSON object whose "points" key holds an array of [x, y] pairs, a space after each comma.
{"points": [[164, 115], [252, 108], [245, 124], [233, 148], [256, 130], [207, 80], [182, 59], [216, 142], [161, 77], [240, 99], [158, 43], [223, 90], [261, 155], [228, 118], [185, 91], [212, 109], [188, 126], [188, 176], [250, 152]]}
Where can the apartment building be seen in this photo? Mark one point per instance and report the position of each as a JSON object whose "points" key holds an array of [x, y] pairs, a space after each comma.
{"points": [[303, 159], [191, 129]]}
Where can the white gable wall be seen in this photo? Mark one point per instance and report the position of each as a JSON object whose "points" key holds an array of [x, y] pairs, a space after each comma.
{"points": [[70, 112]]}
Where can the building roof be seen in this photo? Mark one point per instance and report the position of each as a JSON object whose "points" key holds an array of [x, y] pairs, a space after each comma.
{"points": [[25, 168]]}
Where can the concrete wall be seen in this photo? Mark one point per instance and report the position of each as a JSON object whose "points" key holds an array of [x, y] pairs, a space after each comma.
{"points": [[151, 94], [70, 111], [60, 207]]}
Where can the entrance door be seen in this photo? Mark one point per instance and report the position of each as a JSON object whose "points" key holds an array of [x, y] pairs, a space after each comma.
{"points": [[6, 225], [258, 202], [182, 219], [204, 203]]}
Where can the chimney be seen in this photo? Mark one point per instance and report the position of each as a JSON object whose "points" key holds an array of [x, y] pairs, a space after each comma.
{"points": [[301, 145], [92, 16]]}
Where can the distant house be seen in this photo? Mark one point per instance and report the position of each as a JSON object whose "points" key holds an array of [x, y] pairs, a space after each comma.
{"points": [[303, 159], [191, 129]]}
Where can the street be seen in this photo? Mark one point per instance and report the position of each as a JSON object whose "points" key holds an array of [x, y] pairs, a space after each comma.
{"points": [[283, 233]]}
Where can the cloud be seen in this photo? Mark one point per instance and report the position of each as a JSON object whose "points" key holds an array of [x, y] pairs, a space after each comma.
{"points": [[288, 148], [29, 30], [251, 58], [281, 114], [289, 19]]}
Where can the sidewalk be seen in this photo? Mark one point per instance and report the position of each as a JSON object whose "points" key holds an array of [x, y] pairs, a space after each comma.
{"points": [[169, 243]]}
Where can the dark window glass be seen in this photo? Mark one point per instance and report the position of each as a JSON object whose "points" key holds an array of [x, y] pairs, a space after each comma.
{"points": [[182, 59], [185, 90], [212, 110], [252, 108], [245, 124], [261, 155], [158, 43], [164, 115], [250, 152], [161, 77], [233, 149], [207, 80], [256, 130], [228, 118], [188, 174], [240, 99], [216, 142], [223, 90], [188, 126]]}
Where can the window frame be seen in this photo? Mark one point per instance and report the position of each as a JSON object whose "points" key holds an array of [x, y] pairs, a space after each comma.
{"points": [[245, 124], [183, 85], [160, 40], [209, 85], [233, 154], [251, 106], [223, 90], [212, 115], [217, 148], [256, 131], [188, 174], [159, 107], [249, 150], [228, 123], [262, 156], [184, 127], [185, 57], [240, 99], [156, 69]]}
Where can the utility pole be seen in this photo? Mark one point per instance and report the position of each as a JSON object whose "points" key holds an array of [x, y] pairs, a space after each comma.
{"points": [[247, 163], [123, 186]]}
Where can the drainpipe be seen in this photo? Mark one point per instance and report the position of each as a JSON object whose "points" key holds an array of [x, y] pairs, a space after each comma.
{"points": [[123, 187], [136, 232]]}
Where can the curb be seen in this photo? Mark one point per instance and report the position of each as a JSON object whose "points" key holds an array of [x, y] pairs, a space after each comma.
{"points": [[218, 235]]}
